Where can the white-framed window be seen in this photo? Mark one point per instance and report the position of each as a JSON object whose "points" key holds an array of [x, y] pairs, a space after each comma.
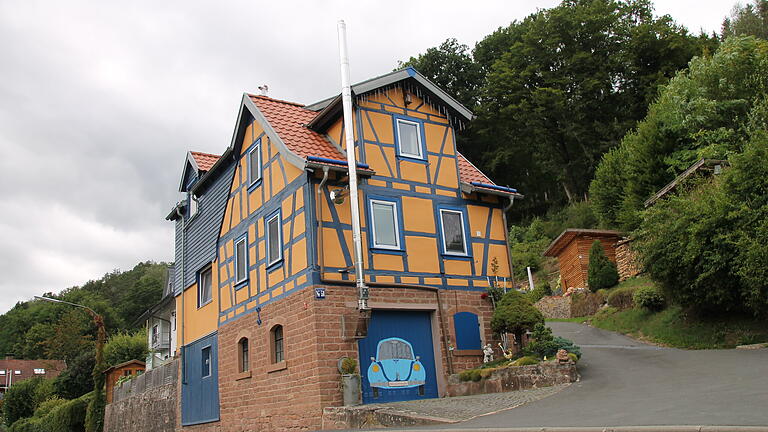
{"points": [[2, 372], [17, 372], [39, 371], [241, 260], [254, 164], [205, 367], [194, 205], [386, 232], [274, 239], [454, 237], [409, 138], [204, 288]]}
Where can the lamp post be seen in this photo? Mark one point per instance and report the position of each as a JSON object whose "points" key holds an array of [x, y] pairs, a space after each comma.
{"points": [[97, 404]]}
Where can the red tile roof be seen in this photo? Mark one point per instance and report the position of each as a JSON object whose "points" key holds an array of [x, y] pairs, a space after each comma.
{"points": [[289, 120], [469, 173], [204, 160], [51, 369]]}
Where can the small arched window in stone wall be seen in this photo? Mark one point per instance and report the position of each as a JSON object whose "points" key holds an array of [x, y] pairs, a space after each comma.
{"points": [[277, 344], [242, 355], [467, 327]]}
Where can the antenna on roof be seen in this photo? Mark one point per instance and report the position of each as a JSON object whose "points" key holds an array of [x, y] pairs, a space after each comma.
{"points": [[264, 89]]}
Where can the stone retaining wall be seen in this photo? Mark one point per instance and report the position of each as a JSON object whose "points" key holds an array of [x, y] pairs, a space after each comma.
{"points": [[627, 262], [554, 307], [145, 403], [544, 374]]}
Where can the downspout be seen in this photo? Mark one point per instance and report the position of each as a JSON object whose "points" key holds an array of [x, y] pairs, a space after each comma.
{"points": [[319, 212], [346, 98], [506, 237], [183, 315]]}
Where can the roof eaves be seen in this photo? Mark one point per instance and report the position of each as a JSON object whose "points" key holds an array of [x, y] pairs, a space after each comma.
{"points": [[569, 233], [495, 190]]}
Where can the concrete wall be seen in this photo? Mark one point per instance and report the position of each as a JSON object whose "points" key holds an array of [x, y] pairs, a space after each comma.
{"points": [[145, 403]]}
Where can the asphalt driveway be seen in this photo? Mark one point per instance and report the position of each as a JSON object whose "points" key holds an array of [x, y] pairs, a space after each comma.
{"points": [[628, 383]]}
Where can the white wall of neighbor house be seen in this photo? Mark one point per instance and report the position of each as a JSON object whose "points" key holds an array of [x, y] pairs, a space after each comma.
{"points": [[161, 338]]}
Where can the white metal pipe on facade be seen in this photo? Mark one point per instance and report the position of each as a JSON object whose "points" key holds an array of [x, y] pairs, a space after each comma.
{"points": [[346, 99]]}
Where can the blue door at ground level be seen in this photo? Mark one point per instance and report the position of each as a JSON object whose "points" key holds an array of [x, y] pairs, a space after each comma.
{"points": [[397, 360], [200, 381]]}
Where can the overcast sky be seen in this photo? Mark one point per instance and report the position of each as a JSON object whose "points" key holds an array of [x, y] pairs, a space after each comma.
{"points": [[99, 100]]}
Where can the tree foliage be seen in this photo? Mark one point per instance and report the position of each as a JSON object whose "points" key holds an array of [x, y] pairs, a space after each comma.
{"points": [[515, 314], [747, 20], [558, 89], [22, 398], [702, 113], [124, 346], [601, 272], [707, 247], [76, 380]]}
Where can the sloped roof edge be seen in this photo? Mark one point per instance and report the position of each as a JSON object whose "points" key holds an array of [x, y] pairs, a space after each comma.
{"points": [[570, 233]]}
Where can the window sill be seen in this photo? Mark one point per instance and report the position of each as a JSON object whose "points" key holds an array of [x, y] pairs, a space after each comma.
{"points": [[375, 249], [205, 304], [275, 265], [460, 352], [274, 367], [243, 375], [456, 256], [413, 159], [255, 185], [240, 285]]}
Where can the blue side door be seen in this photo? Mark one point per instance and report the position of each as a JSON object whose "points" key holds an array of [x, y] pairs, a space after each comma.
{"points": [[200, 382], [404, 359]]}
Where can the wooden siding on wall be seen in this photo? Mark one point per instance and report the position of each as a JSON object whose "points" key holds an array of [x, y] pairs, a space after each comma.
{"points": [[573, 260]]}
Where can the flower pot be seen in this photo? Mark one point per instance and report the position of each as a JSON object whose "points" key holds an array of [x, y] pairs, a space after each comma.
{"points": [[351, 390]]}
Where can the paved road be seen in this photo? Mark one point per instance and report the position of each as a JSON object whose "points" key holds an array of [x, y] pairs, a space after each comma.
{"points": [[627, 383]]}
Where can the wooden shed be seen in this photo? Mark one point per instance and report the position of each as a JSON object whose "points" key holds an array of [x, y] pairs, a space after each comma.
{"points": [[571, 248], [129, 368]]}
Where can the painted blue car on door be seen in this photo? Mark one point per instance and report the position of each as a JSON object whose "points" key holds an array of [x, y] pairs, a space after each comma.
{"points": [[395, 365]]}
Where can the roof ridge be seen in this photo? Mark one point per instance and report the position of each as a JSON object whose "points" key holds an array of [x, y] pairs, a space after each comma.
{"points": [[276, 100], [204, 153]]}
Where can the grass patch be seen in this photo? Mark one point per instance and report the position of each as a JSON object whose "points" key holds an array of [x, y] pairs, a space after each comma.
{"points": [[672, 327], [578, 320]]}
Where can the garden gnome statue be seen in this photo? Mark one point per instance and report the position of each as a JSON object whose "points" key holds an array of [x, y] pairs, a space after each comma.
{"points": [[487, 353]]}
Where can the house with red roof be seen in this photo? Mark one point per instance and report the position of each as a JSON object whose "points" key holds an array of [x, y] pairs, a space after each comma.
{"points": [[267, 301], [13, 371]]}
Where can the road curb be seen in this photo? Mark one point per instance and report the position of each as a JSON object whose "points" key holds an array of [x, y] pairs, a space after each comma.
{"points": [[666, 428]]}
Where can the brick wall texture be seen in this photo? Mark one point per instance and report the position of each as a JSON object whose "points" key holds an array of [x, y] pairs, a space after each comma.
{"points": [[292, 396]]}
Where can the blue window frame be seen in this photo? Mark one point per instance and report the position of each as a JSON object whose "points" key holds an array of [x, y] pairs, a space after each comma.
{"points": [[254, 163], [385, 224], [241, 259], [453, 232], [409, 138], [205, 362], [273, 226]]}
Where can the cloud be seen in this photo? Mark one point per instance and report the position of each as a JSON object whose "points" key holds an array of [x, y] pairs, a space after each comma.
{"points": [[100, 100]]}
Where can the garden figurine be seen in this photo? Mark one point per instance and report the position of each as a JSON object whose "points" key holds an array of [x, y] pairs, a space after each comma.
{"points": [[487, 353]]}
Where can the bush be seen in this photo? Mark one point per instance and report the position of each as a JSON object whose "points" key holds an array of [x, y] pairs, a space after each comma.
{"points": [[515, 314], [67, 417], [540, 291], [470, 375], [526, 361], [621, 298], [574, 358], [568, 345], [585, 304], [123, 347], [546, 345], [23, 398], [649, 297], [601, 272], [77, 378]]}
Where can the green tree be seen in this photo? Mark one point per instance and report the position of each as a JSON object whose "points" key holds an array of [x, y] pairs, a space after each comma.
{"points": [[71, 336], [515, 314], [701, 113], [77, 379], [123, 347], [747, 20], [601, 272], [22, 398]]}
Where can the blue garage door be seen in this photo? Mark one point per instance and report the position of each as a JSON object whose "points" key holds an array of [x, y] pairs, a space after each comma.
{"points": [[403, 365], [200, 382]]}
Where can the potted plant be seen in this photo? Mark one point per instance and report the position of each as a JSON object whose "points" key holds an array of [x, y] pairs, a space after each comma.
{"points": [[350, 381]]}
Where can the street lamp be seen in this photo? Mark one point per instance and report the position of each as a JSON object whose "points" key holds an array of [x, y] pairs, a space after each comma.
{"points": [[98, 368]]}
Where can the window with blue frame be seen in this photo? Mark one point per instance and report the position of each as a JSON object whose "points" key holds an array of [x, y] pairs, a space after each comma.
{"points": [[454, 235], [241, 260], [274, 239], [205, 364], [254, 164], [409, 140], [384, 220]]}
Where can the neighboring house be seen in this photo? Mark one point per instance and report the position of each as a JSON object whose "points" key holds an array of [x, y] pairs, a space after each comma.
{"points": [[264, 277], [12, 371], [571, 248], [160, 322], [131, 368]]}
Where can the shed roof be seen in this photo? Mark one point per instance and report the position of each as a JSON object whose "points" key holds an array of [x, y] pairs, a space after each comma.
{"points": [[125, 364], [567, 236]]}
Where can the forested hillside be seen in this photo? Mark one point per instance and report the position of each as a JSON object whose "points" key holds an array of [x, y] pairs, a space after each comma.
{"points": [[44, 330]]}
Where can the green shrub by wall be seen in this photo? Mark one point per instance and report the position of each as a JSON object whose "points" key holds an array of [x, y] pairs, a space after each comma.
{"points": [[601, 272], [649, 297], [621, 298]]}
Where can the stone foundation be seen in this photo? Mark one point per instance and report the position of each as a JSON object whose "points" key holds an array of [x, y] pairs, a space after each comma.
{"points": [[145, 403], [554, 307], [545, 374]]}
